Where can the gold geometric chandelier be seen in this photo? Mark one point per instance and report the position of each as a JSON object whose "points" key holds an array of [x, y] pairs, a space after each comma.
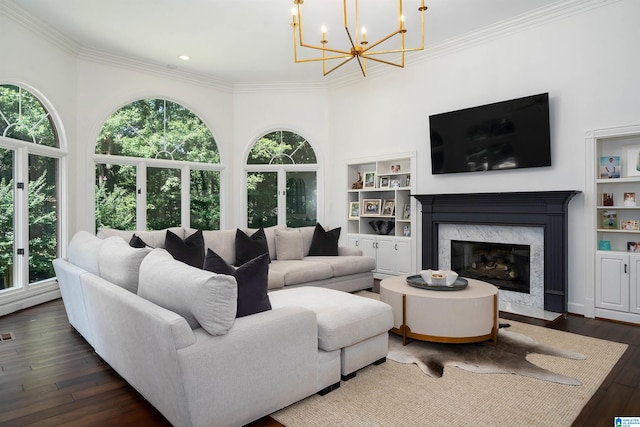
{"points": [[360, 48]]}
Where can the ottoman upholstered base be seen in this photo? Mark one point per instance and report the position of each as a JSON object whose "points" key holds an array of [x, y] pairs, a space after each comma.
{"points": [[357, 326]]}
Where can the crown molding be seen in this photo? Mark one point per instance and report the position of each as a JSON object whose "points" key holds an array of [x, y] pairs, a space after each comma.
{"points": [[38, 27], [544, 15]]}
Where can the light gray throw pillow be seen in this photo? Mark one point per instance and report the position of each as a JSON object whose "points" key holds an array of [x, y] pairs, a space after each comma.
{"points": [[203, 298], [288, 244]]}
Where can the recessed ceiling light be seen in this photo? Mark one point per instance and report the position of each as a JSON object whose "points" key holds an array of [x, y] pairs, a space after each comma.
{"points": [[184, 57]]}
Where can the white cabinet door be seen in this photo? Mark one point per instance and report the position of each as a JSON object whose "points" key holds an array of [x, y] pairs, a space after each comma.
{"points": [[353, 241], [368, 245], [403, 256], [634, 283], [612, 281], [386, 256]]}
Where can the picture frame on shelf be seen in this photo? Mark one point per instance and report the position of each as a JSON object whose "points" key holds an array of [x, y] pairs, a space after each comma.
{"points": [[407, 181], [384, 182], [354, 210], [406, 230], [389, 208], [633, 246], [371, 207], [629, 200], [607, 199], [395, 183], [610, 219], [395, 168], [406, 213], [369, 180], [610, 167], [630, 224], [632, 160]]}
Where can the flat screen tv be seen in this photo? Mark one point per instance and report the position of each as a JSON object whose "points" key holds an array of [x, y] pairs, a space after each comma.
{"points": [[504, 135]]}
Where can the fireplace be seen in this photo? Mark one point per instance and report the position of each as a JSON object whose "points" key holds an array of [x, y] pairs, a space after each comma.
{"points": [[503, 265], [546, 211]]}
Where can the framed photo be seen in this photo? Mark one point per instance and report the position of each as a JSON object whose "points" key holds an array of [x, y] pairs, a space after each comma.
{"points": [[369, 180], [633, 160], [407, 181], [389, 208], [371, 207], [605, 245], [633, 246], [406, 230], [607, 199], [629, 224], [395, 168], [395, 183], [629, 199], [610, 219], [384, 182], [354, 210], [406, 214], [610, 167]]}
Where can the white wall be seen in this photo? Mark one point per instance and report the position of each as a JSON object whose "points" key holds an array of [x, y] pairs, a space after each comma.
{"points": [[589, 65]]}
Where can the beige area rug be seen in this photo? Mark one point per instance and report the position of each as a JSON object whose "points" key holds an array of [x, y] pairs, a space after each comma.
{"points": [[396, 394]]}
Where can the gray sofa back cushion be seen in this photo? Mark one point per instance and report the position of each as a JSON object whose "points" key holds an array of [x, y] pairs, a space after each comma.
{"points": [[83, 251], [203, 298], [154, 238], [120, 263]]}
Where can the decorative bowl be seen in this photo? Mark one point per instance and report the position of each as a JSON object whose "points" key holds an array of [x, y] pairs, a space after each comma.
{"points": [[439, 277], [382, 227]]}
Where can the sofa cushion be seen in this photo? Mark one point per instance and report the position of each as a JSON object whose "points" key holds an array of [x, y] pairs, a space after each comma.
{"points": [[249, 247], [252, 279], [137, 242], [297, 272], [338, 327], [120, 263], [222, 242], [276, 279], [288, 244], [153, 238], [324, 242], [190, 250], [345, 265], [307, 237], [203, 298], [83, 251]]}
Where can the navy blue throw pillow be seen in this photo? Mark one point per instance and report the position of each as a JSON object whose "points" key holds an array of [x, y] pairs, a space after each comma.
{"points": [[252, 279], [324, 243], [249, 247], [190, 250]]}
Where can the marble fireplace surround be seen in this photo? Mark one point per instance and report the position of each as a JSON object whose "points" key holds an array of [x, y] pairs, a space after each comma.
{"points": [[546, 209]]}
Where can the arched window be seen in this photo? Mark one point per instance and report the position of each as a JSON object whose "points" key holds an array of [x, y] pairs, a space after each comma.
{"points": [[157, 166], [30, 160], [281, 181]]}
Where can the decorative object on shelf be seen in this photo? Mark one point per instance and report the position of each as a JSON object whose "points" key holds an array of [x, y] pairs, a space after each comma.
{"points": [[382, 227], [629, 199], [629, 224], [610, 219], [610, 167], [607, 199], [369, 180], [633, 160], [384, 182], [354, 210], [395, 183], [371, 207], [358, 184], [406, 214], [406, 230], [389, 207], [407, 181], [633, 246], [604, 245], [357, 47], [395, 168]]}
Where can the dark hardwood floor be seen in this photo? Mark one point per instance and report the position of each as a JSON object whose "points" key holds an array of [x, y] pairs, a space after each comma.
{"points": [[50, 376]]}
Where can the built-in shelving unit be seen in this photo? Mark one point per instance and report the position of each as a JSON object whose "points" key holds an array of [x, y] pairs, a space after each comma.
{"points": [[383, 201]]}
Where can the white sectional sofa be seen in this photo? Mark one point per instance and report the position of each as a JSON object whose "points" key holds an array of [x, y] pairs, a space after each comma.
{"points": [[349, 272], [183, 349]]}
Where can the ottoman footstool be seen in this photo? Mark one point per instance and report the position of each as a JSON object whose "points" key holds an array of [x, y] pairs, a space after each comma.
{"points": [[357, 326]]}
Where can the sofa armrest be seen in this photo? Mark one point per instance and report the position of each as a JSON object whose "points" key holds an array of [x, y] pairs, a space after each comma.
{"points": [[347, 250], [266, 361]]}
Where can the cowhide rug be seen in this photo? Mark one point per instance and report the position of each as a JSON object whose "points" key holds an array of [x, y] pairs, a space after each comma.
{"points": [[507, 357]]}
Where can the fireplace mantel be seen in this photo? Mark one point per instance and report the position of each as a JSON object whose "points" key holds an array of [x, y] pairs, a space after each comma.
{"points": [[548, 209]]}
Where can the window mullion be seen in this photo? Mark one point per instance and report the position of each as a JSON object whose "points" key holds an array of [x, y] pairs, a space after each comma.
{"points": [[21, 217], [185, 189], [141, 196]]}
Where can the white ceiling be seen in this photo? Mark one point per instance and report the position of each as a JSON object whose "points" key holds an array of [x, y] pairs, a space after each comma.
{"points": [[250, 41]]}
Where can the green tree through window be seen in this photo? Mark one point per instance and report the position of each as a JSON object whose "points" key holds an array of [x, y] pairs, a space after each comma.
{"points": [[170, 137]]}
